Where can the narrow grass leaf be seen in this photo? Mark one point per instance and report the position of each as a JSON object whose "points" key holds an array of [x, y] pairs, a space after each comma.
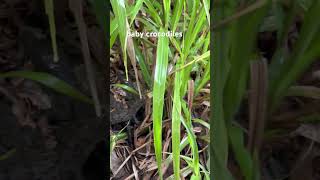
{"points": [[127, 88], [135, 10], [242, 155], [176, 14], [159, 87], [166, 8], [176, 113], [49, 81], [153, 13], [119, 10]]}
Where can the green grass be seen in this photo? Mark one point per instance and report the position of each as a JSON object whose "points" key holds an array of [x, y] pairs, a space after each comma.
{"points": [[166, 65], [235, 33]]}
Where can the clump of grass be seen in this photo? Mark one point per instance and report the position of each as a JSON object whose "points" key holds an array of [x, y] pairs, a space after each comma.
{"points": [[236, 26], [167, 65]]}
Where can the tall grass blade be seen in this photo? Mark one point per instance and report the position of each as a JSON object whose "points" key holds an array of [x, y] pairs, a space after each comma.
{"points": [[192, 139], [176, 113], [135, 10], [218, 130], [159, 87], [166, 8], [176, 14], [119, 10], [240, 56], [143, 66], [49, 81]]}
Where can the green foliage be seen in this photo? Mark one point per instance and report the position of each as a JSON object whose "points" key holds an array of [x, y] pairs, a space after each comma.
{"points": [[49, 81], [235, 33]]}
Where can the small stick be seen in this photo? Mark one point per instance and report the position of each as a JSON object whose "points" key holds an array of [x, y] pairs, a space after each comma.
{"points": [[76, 8]]}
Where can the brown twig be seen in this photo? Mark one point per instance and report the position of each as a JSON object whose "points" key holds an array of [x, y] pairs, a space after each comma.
{"points": [[76, 8]]}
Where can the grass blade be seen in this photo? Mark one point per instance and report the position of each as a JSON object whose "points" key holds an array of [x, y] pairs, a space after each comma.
{"points": [[176, 14], [49, 81], [119, 10], [159, 85], [135, 10], [143, 66], [300, 58], [176, 113], [166, 8], [49, 7], [127, 88]]}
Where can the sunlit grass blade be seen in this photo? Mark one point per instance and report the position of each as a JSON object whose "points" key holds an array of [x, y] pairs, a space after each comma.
{"points": [[135, 10], [153, 13], [113, 31], [206, 4], [49, 7], [49, 81], [119, 10], [159, 87], [202, 122], [176, 14], [176, 113], [166, 8], [199, 58]]}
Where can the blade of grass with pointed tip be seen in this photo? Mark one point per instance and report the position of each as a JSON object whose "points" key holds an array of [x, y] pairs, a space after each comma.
{"points": [[159, 87], [49, 81], [135, 10], [176, 14], [206, 4], [113, 31], [153, 13], [119, 10]]}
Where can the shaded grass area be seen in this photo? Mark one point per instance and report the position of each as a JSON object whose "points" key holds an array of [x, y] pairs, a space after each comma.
{"points": [[251, 83]]}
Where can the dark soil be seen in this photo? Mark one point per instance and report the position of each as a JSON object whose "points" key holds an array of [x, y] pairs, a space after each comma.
{"points": [[51, 135]]}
